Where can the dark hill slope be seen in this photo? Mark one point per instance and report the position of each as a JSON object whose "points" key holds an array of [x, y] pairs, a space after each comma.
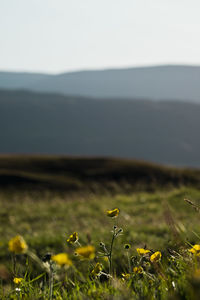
{"points": [[76, 174], [162, 132]]}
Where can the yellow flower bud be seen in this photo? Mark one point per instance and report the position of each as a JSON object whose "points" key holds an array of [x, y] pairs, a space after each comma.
{"points": [[17, 280], [97, 269], [113, 213], [62, 259], [195, 250], [73, 238], [17, 245], [156, 256], [138, 270], [86, 252], [142, 251]]}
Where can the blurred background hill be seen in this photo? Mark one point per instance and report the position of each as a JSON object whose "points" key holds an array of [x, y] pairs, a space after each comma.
{"points": [[61, 173], [164, 132], [167, 82]]}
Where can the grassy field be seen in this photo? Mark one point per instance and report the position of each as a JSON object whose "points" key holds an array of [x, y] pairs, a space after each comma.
{"points": [[153, 215]]}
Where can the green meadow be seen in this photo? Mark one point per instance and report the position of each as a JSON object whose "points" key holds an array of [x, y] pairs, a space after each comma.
{"points": [[45, 200]]}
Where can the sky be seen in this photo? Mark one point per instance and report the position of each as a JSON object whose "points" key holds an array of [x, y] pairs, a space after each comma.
{"points": [[55, 36]]}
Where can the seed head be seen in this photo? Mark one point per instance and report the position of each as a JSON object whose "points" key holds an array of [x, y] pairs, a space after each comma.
{"points": [[127, 246]]}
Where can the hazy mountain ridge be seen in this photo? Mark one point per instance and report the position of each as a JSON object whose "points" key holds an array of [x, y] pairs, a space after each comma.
{"points": [[163, 132], [19, 80], [159, 83]]}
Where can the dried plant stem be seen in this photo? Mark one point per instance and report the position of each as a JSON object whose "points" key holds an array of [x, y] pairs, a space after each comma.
{"points": [[196, 207]]}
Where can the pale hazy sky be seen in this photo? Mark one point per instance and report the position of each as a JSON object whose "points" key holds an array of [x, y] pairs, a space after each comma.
{"points": [[62, 35]]}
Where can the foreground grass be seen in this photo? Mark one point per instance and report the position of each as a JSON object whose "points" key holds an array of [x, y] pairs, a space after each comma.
{"points": [[161, 220], [46, 219]]}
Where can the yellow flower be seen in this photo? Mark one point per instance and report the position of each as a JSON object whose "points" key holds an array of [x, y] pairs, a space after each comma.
{"points": [[73, 238], [156, 256], [86, 252], [17, 245], [113, 213], [142, 251], [17, 280], [97, 269], [62, 259], [126, 276], [138, 270], [195, 250], [105, 259]]}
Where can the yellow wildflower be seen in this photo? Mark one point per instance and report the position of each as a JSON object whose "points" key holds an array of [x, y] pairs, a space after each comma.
{"points": [[195, 249], [156, 256], [113, 213], [17, 280], [62, 259], [138, 270], [106, 259], [142, 251], [86, 252], [73, 238], [126, 276], [17, 245], [97, 269]]}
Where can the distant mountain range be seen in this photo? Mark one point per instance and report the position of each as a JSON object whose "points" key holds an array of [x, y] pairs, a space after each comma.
{"points": [[158, 131], [159, 83]]}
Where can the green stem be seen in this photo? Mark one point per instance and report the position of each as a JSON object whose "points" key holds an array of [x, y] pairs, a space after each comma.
{"points": [[129, 263], [110, 254], [18, 296], [14, 264]]}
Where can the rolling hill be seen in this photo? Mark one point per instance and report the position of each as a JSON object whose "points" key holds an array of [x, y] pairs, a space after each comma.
{"points": [[156, 83], [91, 174], [163, 132]]}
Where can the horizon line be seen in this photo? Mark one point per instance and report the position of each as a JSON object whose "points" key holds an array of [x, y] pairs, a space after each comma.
{"points": [[145, 66]]}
